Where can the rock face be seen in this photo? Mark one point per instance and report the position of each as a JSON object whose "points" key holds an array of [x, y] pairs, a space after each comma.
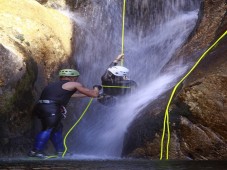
{"points": [[34, 42], [198, 114], [54, 3], [61, 4]]}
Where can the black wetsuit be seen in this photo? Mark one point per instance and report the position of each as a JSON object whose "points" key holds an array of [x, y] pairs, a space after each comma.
{"points": [[123, 86], [50, 115]]}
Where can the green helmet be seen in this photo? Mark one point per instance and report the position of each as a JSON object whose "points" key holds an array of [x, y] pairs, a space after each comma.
{"points": [[69, 72]]}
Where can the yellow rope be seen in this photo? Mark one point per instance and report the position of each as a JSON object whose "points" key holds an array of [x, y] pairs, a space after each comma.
{"points": [[123, 87], [122, 51], [74, 126], [166, 117], [52, 156], [123, 31]]}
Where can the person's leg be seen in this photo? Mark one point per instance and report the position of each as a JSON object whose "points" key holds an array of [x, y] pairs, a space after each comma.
{"points": [[57, 138], [49, 116], [41, 139], [40, 143], [43, 136]]}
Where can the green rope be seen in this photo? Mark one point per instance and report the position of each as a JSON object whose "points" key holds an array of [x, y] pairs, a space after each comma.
{"points": [[52, 156], [74, 126], [123, 30], [166, 117], [126, 87], [122, 51]]}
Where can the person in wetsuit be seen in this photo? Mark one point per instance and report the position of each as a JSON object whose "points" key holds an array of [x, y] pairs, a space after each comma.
{"points": [[50, 109], [115, 82]]}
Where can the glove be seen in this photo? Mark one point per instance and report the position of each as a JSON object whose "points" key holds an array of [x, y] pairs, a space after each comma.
{"points": [[98, 86]]}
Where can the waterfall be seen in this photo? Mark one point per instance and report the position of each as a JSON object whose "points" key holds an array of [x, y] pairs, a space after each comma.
{"points": [[154, 30]]}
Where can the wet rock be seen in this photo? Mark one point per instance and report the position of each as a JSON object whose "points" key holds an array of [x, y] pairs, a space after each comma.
{"points": [[62, 4], [198, 113]]}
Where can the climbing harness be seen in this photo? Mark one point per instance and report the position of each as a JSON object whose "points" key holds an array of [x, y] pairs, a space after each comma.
{"points": [[166, 117]]}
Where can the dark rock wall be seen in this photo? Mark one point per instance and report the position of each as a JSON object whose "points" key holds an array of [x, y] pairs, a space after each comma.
{"points": [[198, 113]]}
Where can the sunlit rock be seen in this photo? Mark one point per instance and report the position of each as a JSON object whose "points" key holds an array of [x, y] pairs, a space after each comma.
{"points": [[61, 4], [34, 42]]}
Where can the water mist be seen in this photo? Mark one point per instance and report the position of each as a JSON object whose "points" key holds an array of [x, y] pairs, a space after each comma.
{"points": [[151, 39]]}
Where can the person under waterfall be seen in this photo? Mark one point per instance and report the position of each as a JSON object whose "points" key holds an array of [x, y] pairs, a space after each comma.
{"points": [[115, 82], [50, 109]]}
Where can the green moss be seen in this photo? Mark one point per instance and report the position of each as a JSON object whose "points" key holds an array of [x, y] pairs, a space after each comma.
{"points": [[6, 104], [22, 98], [20, 37]]}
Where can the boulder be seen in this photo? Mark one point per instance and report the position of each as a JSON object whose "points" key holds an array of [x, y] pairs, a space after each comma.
{"points": [[35, 42], [198, 113]]}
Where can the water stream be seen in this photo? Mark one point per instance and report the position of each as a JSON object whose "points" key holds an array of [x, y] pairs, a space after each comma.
{"points": [[154, 30]]}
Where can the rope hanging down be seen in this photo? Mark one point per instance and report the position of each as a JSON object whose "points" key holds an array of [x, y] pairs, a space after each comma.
{"points": [[166, 117], [122, 42], [122, 51], [123, 31], [85, 110], [55, 156]]}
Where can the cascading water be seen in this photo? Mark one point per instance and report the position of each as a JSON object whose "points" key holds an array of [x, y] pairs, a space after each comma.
{"points": [[153, 32]]}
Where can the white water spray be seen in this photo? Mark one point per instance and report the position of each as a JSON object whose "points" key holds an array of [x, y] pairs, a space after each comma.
{"points": [[147, 51]]}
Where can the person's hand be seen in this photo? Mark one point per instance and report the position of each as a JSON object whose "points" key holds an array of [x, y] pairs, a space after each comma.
{"points": [[99, 87], [96, 89], [119, 57]]}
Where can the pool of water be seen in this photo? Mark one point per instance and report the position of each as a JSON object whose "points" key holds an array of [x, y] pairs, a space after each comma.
{"points": [[123, 164]]}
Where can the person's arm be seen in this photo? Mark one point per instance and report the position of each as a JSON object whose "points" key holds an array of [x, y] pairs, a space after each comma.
{"points": [[114, 63], [118, 58], [78, 95], [83, 90], [88, 92]]}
